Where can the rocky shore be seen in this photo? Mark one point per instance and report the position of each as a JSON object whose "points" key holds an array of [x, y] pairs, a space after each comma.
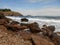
{"points": [[9, 12], [15, 33]]}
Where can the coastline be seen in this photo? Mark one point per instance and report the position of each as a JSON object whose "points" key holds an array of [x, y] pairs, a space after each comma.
{"points": [[15, 33]]}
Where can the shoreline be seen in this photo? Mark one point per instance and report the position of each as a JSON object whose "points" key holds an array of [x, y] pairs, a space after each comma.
{"points": [[15, 33]]}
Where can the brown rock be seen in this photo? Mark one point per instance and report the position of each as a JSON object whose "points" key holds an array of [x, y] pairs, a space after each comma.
{"points": [[13, 27], [34, 27], [52, 28], [3, 21], [48, 30], [56, 39], [10, 38], [25, 35], [38, 40], [16, 27], [23, 27]]}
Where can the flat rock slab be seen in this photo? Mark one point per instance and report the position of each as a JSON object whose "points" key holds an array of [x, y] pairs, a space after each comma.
{"points": [[38, 40]]}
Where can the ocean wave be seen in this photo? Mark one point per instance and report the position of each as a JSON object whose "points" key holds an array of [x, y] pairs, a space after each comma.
{"points": [[40, 21]]}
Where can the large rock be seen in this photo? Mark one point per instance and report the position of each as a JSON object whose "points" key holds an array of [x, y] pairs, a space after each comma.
{"points": [[52, 28], [11, 38], [56, 39], [24, 20], [34, 27], [15, 26], [38, 40], [48, 30]]}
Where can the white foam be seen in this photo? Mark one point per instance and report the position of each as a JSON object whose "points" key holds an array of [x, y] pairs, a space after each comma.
{"points": [[40, 21]]}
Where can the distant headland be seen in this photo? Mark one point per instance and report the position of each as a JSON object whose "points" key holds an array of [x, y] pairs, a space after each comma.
{"points": [[9, 12]]}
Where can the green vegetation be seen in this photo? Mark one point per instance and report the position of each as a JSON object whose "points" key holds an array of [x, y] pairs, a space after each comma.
{"points": [[5, 10], [9, 12]]}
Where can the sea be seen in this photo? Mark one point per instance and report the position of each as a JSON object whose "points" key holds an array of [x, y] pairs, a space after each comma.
{"points": [[41, 20]]}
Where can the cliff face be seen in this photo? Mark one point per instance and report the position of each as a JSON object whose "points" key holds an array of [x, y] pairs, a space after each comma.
{"points": [[8, 12]]}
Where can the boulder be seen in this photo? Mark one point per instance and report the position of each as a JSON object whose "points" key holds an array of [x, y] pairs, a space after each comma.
{"points": [[16, 27], [11, 38], [34, 27], [24, 20], [52, 28], [13, 27], [38, 40], [56, 39], [48, 30]]}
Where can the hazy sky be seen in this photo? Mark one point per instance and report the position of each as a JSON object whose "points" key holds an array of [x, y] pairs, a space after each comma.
{"points": [[33, 7]]}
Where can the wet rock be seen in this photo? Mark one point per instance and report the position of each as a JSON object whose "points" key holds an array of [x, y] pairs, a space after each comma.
{"points": [[24, 20], [34, 27]]}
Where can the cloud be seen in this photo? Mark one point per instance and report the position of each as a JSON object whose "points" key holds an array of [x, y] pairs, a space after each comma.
{"points": [[41, 12], [44, 1]]}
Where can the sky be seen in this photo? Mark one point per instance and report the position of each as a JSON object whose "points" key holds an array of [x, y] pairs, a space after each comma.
{"points": [[33, 7]]}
